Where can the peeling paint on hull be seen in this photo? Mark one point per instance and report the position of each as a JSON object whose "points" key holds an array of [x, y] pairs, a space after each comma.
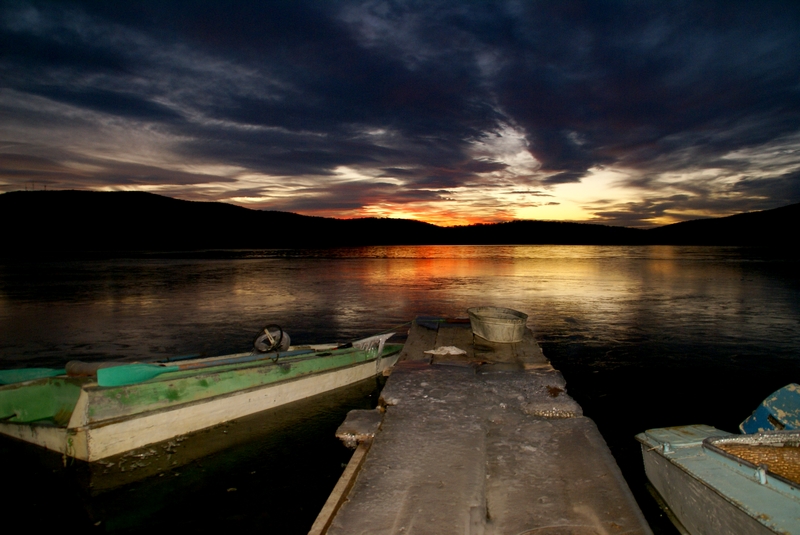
{"points": [[711, 494]]}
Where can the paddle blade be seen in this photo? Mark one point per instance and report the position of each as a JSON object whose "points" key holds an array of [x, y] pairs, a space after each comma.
{"points": [[8, 377], [131, 374], [373, 344]]}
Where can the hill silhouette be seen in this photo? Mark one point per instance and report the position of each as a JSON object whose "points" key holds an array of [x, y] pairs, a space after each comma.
{"points": [[768, 227], [139, 221], [41, 223]]}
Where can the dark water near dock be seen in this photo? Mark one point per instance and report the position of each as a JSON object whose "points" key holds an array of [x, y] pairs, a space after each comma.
{"points": [[645, 336]]}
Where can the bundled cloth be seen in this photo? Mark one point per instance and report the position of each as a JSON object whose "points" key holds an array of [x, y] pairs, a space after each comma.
{"points": [[446, 350]]}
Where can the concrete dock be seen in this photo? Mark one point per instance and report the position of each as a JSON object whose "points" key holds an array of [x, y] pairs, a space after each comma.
{"points": [[482, 443]]}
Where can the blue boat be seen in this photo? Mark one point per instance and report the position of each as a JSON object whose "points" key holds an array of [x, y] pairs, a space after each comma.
{"points": [[714, 482], [779, 411]]}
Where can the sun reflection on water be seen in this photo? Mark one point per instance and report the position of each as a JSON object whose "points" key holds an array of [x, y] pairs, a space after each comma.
{"points": [[127, 307]]}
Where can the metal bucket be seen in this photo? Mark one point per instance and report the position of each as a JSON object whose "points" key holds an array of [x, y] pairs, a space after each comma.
{"points": [[497, 324]]}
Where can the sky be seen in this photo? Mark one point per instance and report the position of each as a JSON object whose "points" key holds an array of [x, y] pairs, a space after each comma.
{"points": [[454, 112]]}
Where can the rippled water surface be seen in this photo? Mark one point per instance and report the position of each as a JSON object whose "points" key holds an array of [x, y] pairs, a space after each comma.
{"points": [[645, 336]]}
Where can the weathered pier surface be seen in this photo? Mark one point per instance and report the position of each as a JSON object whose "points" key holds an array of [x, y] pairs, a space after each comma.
{"points": [[487, 443]]}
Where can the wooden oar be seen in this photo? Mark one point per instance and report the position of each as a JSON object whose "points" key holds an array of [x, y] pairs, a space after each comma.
{"points": [[73, 368], [138, 373], [79, 368], [8, 377]]}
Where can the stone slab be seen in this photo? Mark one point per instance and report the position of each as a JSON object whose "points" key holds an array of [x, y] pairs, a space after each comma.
{"points": [[359, 425], [497, 446]]}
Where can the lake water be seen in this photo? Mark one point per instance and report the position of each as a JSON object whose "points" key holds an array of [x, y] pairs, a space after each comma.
{"points": [[645, 336]]}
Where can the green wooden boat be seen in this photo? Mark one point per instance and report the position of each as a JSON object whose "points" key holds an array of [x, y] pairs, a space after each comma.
{"points": [[131, 406]]}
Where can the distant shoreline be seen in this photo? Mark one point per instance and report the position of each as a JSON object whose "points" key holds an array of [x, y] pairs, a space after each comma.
{"points": [[47, 223]]}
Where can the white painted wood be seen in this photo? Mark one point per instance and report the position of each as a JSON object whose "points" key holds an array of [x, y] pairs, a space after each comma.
{"points": [[80, 414], [50, 437], [700, 508], [340, 491]]}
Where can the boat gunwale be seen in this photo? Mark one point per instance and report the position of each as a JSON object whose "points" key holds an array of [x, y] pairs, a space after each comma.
{"points": [[88, 386], [189, 404], [222, 368], [99, 440], [709, 446], [687, 459], [389, 350]]}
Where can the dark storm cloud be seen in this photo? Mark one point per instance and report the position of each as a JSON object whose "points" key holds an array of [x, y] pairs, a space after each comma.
{"points": [[46, 37], [759, 194], [785, 187], [43, 171], [631, 82], [565, 177], [407, 89], [532, 193], [352, 196], [112, 102], [33, 169]]}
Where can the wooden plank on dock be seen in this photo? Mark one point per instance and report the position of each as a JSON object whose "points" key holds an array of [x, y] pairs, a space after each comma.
{"points": [[427, 474], [341, 490], [457, 335], [570, 479], [524, 354], [420, 339], [493, 448]]}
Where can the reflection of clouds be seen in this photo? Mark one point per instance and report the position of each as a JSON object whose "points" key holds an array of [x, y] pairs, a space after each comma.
{"points": [[605, 295]]}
